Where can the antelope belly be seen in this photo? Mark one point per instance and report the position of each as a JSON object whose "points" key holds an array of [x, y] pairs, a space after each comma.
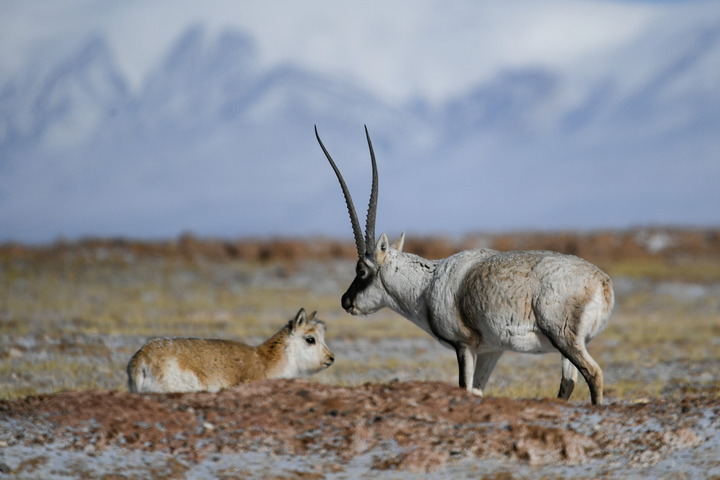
{"points": [[176, 379], [518, 339]]}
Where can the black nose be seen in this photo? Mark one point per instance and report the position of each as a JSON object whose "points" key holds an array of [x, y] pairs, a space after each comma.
{"points": [[347, 303]]}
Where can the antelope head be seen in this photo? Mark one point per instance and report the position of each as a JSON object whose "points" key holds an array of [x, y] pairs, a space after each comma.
{"points": [[366, 293]]}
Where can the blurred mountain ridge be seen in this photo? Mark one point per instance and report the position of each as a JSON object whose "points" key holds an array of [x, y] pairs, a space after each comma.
{"points": [[210, 131]]}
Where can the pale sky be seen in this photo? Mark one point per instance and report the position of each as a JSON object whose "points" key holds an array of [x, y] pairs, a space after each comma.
{"points": [[643, 74]]}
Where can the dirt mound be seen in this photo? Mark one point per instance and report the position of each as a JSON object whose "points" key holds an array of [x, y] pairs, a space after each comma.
{"points": [[410, 426]]}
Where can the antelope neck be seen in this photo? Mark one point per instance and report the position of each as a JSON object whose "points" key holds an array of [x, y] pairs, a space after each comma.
{"points": [[406, 285]]}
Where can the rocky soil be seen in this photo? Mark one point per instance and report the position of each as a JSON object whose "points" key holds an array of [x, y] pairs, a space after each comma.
{"points": [[302, 429]]}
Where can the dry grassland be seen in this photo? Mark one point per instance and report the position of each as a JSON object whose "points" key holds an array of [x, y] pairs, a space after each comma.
{"points": [[71, 314]]}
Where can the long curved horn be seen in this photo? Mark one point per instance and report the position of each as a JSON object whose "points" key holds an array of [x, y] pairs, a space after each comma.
{"points": [[359, 242], [372, 206]]}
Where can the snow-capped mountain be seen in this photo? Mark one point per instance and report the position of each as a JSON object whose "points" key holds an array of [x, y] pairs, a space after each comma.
{"points": [[216, 141]]}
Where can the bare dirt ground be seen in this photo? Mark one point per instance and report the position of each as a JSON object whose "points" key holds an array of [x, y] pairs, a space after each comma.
{"points": [[387, 409], [301, 429]]}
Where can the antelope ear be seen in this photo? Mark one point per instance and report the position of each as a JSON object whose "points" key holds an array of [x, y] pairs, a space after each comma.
{"points": [[381, 249], [299, 320], [398, 245]]}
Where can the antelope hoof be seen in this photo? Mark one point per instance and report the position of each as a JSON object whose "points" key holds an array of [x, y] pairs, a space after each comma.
{"points": [[477, 392]]}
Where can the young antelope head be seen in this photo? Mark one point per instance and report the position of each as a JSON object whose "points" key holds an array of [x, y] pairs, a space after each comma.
{"points": [[305, 345]]}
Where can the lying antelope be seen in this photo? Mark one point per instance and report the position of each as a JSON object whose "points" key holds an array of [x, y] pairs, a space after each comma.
{"points": [[483, 302], [195, 364]]}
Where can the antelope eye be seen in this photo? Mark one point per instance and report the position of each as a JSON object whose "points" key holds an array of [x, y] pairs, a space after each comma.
{"points": [[310, 340], [362, 271]]}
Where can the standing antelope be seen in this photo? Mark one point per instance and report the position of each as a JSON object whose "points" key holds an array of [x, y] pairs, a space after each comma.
{"points": [[483, 302], [195, 364]]}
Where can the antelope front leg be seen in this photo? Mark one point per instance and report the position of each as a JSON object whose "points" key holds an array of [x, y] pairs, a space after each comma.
{"points": [[484, 366], [466, 366]]}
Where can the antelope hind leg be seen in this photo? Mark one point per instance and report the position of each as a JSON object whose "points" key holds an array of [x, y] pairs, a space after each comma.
{"points": [[569, 378], [589, 369]]}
